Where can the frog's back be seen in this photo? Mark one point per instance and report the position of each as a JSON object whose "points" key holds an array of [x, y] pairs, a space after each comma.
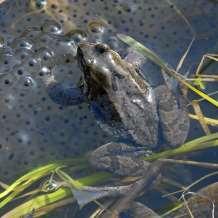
{"points": [[137, 112], [119, 94]]}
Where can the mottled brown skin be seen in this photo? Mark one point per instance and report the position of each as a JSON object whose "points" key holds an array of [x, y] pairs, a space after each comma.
{"points": [[130, 105], [120, 92], [174, 120], [119, 159]]}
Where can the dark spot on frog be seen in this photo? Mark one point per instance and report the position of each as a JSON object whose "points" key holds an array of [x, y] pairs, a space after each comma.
{"points": [[114, 83], [115, 80], [101, 48], [118, 75]]}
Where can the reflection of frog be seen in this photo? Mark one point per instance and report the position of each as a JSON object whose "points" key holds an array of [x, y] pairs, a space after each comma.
{"points": [[126, 102]]}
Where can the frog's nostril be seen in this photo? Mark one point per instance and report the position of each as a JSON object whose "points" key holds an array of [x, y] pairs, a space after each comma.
{"points": [[101, 48]]}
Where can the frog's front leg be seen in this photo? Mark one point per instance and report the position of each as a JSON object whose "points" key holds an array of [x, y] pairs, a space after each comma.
{"points": [[174, 120], [119, 159]]}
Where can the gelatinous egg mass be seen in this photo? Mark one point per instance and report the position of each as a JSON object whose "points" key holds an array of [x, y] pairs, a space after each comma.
{"points": [[39, 74]]}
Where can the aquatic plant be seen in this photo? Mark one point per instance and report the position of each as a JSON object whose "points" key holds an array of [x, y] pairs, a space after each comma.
{"points": [[200, 143], [60, 190]]}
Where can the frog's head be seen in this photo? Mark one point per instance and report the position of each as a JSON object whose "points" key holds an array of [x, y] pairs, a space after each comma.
{"points": [[99, 63]]}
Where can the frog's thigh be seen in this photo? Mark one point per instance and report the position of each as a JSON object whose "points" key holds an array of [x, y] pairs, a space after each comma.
{"points": [[111, 148], [118, 158], [174, 121], [122, 165]]}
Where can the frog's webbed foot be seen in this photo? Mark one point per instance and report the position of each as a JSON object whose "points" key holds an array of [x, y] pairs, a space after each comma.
{"points": [[174, 120], [120, 159], [65, 94]]}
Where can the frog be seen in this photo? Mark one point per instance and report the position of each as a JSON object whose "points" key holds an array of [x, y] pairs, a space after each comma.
{"points": [[119, 92]]}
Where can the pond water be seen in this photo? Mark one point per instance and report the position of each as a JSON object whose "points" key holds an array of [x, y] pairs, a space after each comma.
{"points": [[37, 48]]}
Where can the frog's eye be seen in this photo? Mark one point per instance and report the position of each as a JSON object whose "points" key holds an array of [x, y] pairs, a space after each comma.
{"points": [[101, 48], [40, 3]]}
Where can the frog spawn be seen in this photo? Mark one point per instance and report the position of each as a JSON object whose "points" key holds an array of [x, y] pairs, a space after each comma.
{"points": [[35, 129]]}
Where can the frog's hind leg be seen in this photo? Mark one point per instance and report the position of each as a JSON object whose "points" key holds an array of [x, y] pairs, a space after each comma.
{"points": [[174, 120], [119, 159]]}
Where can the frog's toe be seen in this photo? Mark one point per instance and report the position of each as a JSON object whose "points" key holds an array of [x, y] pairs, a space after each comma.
{"points": [[65, 94]]}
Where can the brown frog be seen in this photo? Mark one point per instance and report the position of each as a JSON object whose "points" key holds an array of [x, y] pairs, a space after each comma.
{"points": [[127, 103]]}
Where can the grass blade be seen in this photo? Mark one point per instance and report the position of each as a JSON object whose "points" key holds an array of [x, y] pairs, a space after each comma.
{"points": [[48, 199], [204, 142], [72, 182], [39, 172]]}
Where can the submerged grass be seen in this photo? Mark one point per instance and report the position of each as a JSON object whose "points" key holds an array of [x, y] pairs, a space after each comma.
{"points": [[187, 191], [66, 184], [50, 192], [33, 176], [25, 181], [36, 204], [201, 143]]}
